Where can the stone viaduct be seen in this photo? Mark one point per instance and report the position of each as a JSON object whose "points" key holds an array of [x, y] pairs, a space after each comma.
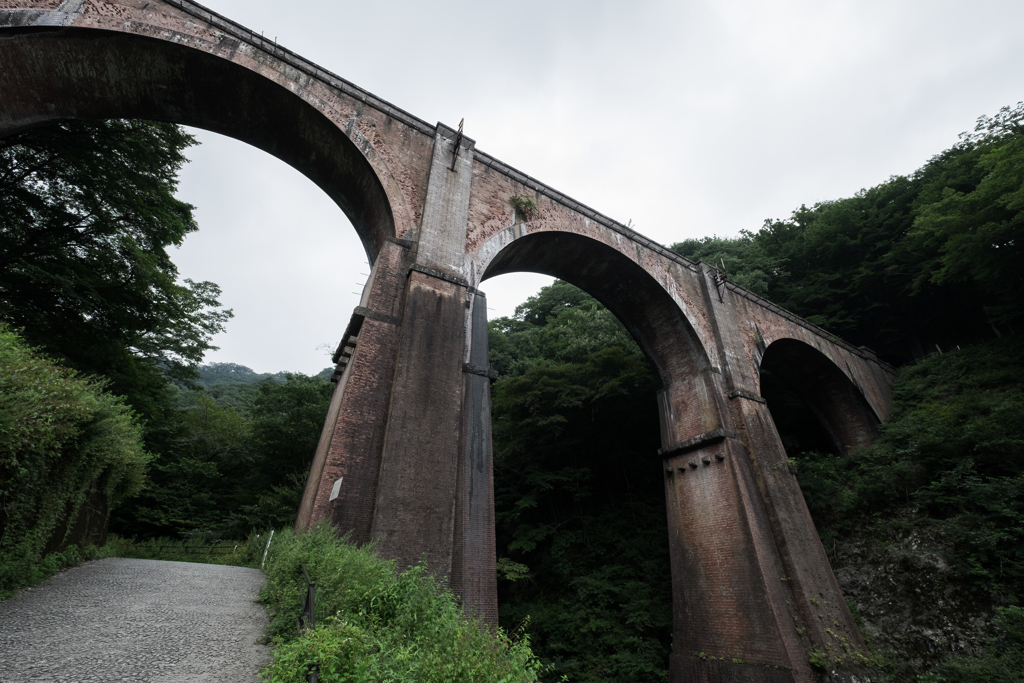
{"points": [[406, 451]]}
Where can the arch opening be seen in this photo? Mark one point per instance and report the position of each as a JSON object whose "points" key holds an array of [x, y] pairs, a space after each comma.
{"points": [[814, 405], [68, 73], [635, 298], [585, 425], [279, 289]]}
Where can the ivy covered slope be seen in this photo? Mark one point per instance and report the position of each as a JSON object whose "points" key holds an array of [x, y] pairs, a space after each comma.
{"points": [[375, 624], [925, 529], [69, 452], [581, 527]]}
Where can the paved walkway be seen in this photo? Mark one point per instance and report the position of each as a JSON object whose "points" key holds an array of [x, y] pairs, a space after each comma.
{"points": [[136, 620]]}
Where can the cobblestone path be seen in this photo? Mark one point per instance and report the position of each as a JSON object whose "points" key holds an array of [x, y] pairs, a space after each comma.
{"points": [[136, 620]]}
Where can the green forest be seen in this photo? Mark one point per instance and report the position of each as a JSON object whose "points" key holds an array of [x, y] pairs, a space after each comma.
{"points": [[107, 409]]}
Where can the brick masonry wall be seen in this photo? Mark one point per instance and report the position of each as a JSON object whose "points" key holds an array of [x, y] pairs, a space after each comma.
{"points": [[179, 62], [415, 504], [354, 433], [474, 576], [409, 433]]}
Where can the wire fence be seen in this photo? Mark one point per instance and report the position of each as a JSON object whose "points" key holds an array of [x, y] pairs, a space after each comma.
{"points": [[197, 548]]}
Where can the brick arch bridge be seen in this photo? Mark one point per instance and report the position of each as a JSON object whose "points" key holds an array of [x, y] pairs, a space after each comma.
{"points": [[406, 454]]}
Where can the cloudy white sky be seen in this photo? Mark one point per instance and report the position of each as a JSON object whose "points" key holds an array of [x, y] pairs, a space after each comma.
{"points": [[690, 118]]}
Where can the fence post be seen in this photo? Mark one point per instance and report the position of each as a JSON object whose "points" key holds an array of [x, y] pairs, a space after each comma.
{"points": [[308, 619]]}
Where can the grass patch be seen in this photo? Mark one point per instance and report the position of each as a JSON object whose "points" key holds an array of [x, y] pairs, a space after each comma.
{"points": [[375, 623]]}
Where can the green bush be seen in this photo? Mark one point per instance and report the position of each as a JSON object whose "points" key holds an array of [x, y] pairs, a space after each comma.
{"points": [[374, 623], [69, 452], [223, 472]]}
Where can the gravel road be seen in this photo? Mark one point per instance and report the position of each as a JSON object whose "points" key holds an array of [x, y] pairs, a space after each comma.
{"points": [[136, 620]]}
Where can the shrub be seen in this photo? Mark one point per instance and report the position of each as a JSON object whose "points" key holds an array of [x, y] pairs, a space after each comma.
{"points": [[69, 452], [374, 623]]}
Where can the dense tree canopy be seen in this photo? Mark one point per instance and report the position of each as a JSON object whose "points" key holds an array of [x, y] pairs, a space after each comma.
{"points": [[229, 466], [932, 258], [88, 213], [69, 451], [87, 217], [576, 472]]}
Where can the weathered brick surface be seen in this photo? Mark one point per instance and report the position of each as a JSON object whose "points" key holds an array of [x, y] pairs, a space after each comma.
{"points": [[474, 554], [159, 61], [408, 429], [353, 439], [30, 4], [722, 607], [304, 518], [415, 507]]}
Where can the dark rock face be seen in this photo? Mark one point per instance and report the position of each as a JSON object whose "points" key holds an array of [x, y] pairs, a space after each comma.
{"points": [[912, 609]]}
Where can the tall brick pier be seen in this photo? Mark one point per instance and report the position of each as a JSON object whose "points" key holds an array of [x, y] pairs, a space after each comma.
{"points": [[405, 455]]}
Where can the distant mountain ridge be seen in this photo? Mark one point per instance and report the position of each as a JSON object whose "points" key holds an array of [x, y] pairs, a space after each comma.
{"points": [[233, 385], [233, 373]]}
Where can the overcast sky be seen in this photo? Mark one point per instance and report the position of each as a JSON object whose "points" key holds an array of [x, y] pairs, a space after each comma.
{"points": [[689, 118]]}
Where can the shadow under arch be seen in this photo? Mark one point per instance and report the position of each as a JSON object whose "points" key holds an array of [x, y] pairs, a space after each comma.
{"points": [[643, 306], [797, 378], [52, 74]]}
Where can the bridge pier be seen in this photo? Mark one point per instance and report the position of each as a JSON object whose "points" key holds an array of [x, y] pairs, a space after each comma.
{"points": [[405, 456], [408, 437], [408, 434], [342, 483], [753, 593]]}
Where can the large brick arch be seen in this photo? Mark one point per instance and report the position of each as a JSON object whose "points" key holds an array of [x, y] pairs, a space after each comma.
{"points": [[829, 393], [405, 456], [50, 74], [643, 306]]}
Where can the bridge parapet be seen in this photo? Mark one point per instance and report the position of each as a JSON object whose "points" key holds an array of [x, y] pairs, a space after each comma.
{"points": [[405, 456]]}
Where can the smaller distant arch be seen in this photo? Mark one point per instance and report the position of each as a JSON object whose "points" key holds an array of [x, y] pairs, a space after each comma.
{"points": [[794, 371]]}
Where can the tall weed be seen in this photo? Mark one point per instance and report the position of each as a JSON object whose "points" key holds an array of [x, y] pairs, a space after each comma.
{"points": [[375, 623]]}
